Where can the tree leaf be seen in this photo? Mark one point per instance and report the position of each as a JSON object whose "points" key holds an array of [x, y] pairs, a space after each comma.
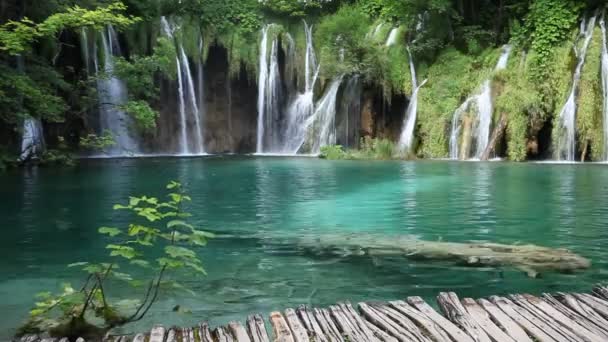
{"points": [[109, 231], [179, 223], [180, 252], [77, 264]]}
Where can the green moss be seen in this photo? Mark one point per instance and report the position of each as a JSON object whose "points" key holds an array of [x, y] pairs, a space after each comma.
{"points": [[589, 115]]}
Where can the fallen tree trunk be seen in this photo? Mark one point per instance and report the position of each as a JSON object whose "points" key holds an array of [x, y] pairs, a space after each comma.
{"points": [[529, 258], [497, 134]]}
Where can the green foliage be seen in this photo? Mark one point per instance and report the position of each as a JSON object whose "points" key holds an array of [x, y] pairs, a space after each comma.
{"points": [[94, 142], [143, 115], [160, 225], [332, 152], [376, 148], [7, 160], [17, 36], [589, 115], [61, 156]]}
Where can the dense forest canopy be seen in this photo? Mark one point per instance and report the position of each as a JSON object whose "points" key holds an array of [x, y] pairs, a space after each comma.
{"points": [[454, 43]]}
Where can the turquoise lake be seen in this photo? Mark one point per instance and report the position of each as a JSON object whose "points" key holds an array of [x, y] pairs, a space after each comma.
{"points": [[256, 206]]}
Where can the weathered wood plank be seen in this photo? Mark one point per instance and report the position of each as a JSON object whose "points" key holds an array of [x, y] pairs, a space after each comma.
{"points": [[344, 324], [297, 329], [453, 309], [594, 302], [204, 333], [483, 319], [430, 327], [139, 338], [257, 329], [601, 291], [379, 334], [187, 335], [509, 325], [171, 335], [578, 329], [281, 330], [223, 335], [354, 317], [579, 311], [80, 339], [65, 339], [157, 334], [402, 320], [310, 323], [385, 323], [449, 327], [238, 332], [329, 329], [558, 331], [48, 339], [30, 338], [515, 313]]}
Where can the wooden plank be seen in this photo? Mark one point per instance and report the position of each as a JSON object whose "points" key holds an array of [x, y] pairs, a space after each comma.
{"points": [[521, 317], [385, 323], [430, 327], [171, 336], [65, 339], [310, 323], [157, 334], [379, 334], [331, 324], [580, 311], [222, 335], [344, 324], [330, 330], [601, 291], [509, 325], [204, 333], [402, 320], [48, 339], [281, 330], [455, 333], [455, 312], [594, 302], [297, 329], [483, 319], [354, 316], [578, 329], [80, 339], [553, 327], [30, 338], [139, 338], [257, 329], [238, 332], [187, 335]]}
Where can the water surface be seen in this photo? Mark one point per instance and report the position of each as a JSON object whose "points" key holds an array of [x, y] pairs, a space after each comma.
{"points": [[50, 218]]}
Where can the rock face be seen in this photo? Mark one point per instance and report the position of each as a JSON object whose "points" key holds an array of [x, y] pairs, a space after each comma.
{"points": [[230, 104]]}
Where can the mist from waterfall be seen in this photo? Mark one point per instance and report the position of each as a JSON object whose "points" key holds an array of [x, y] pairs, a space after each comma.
{"points": [[112, 96], [409, 121], [302, 107], [605, 85], [191, 141], [565, 149], [481, 103], [269, 92]]}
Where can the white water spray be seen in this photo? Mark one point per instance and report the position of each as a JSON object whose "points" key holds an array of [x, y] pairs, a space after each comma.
{"points": [[392, 37], [322, 124], [409, 123], [566, 141]]}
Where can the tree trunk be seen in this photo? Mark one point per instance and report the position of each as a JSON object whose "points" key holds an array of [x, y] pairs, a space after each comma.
{"points": [[497, 134], [585, 149]]}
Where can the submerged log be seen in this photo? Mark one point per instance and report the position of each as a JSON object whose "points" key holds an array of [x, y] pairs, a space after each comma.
{"points": [[531, 258], [497, 134]]}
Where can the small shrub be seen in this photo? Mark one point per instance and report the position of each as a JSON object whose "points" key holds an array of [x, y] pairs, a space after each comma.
{"points": [[332, 152]]}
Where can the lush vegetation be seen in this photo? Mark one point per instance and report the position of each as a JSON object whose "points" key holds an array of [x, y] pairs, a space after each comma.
{"points": [[134, 259], [369, 149], [453, 43]]}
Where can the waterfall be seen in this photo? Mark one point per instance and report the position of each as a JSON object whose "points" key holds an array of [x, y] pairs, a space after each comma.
{"points": [[409, 122], [375, 31], [190, 101], [605, 84], [566, 141], [349, 119], [302, 107], [483, 110], [112, 95], [269, 88], [322, 124], [32, 137], [392, 37]]}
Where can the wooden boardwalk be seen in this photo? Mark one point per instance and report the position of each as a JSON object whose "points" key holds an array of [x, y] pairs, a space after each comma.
{"points": [[560, 317]]}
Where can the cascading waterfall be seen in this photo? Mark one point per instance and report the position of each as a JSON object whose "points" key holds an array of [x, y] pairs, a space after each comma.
{"points": [[32, 137], [190, 101], [302, 107], [407, 133], [349, 118], [605, 84], [484, 109], [566, 141], [322, 124], [392, 37], [112, 95], [269, 88]]}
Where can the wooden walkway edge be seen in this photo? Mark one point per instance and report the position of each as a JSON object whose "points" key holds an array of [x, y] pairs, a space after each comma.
{"points": [[560, 317]]}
